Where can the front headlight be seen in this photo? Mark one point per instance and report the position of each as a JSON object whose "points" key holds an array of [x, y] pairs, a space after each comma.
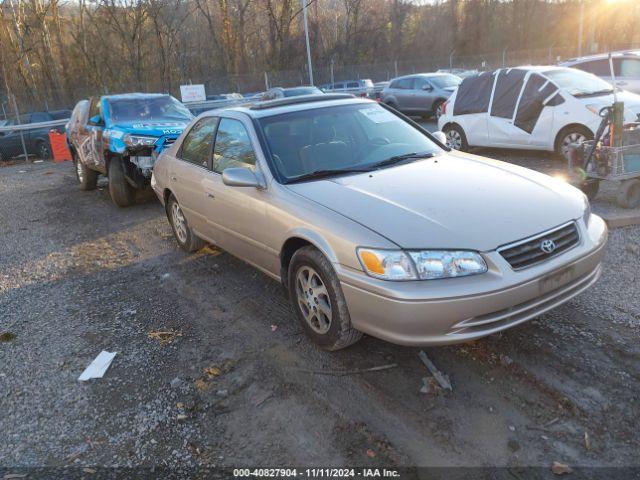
{"points": [[420, 265], [387, 264], [446, 264], [139, 140]]}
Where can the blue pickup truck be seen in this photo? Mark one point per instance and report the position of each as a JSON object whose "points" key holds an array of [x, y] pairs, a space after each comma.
{"points": [[120, 136]]}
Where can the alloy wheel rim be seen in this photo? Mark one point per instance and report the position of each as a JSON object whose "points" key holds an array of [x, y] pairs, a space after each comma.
{"points": [[569, 140], [79, 171], [179, 223], [438, 112], [313, 300], [454, 140]]}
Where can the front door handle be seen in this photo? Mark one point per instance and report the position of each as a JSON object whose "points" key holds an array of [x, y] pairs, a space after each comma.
{"points": [[210, 195], [174, 179]]}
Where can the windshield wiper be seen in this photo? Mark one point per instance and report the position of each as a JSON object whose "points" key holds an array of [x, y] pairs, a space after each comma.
{"points": [[326, 173], [399, 158]]}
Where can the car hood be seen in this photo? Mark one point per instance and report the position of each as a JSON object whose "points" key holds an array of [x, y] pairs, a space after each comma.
{"points": [[631, 103], [153, 129], [453, 200]]}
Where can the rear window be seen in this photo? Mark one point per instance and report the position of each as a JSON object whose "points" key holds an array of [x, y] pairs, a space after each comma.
{"points": [[444, 81], [473, 94]]}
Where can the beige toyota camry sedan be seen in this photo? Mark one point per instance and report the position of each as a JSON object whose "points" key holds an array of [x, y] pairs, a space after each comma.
{"points": [[373, 225]]}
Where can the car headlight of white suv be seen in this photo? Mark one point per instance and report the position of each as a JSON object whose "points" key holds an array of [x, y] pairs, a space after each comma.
{"points": [[421, 264]]}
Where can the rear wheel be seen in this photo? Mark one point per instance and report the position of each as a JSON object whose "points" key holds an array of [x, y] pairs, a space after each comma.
{"points": [[456, 138], [187, 240], [629, 194], [437, 109], [87, 178], [318, 301], [122, 193], [574, 134], [44, 150]]}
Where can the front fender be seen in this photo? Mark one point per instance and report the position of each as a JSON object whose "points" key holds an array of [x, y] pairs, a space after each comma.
{"points": [[315, 239]]}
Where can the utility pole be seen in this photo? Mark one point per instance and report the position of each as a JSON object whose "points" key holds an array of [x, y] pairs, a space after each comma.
{"points": [[306, 34], [580, 26]]}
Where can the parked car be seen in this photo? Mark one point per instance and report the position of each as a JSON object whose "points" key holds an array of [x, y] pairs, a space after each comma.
{"points": [[373, 225], [534, 108], [36, 139], [120, 136], [214, 101], [378, 87], [626, 67], [458, 72], [421, 94], [279, 92], [363, 87]]}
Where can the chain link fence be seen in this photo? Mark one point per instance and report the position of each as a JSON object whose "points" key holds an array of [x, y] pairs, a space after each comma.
{"points": [[25, 121]]}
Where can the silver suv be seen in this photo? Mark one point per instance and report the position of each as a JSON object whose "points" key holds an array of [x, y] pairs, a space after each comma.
{"points": [[422, 94], [373, 225]]}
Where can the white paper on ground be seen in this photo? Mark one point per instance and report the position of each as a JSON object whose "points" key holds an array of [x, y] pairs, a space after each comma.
{"points": [[98, 367]]}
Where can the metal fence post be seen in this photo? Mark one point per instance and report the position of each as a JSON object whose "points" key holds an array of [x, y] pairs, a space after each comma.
{"points": [[451, 59], [24, 146], [266, 81], [395, 64], [504, 57]]}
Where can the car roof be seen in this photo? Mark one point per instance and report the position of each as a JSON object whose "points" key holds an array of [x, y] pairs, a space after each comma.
{"points": [[423, 75], [295, 104], [601, 56], [125, 96]]}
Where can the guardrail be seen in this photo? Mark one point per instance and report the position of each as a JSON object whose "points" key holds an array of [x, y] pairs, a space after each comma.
{"points": [[33, 126]]}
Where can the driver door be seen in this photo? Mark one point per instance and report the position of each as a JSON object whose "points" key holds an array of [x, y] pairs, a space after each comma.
{"points": [[90, 138], [238, 214]]}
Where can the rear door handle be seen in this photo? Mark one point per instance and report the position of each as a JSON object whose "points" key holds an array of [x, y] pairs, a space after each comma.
{"points": [[174, 179], [210, 195]]}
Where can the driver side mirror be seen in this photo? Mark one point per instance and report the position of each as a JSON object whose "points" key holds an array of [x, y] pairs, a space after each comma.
{"points": [[440, 136], [427, 88], [240, 177], [95, 120]]}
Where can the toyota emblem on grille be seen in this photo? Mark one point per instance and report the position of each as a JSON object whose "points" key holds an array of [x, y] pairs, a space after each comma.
{"points": [[547, 246]]}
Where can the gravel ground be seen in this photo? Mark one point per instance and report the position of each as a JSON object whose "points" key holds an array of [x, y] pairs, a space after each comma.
{"points": [[235, 386]]}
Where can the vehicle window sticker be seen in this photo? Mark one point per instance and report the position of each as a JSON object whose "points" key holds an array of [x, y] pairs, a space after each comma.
{"points": [[378, 115]]}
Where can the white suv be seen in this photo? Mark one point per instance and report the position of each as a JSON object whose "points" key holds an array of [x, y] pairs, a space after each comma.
{"points": [[533, 108]]}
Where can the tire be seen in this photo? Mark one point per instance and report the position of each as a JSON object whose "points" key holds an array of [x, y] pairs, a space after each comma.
{"points": [[568, 136], [437, 109], [187, 240], [629, 194], [318, 301], [456, 137], [87, 178], [121, 192], [44, 150], [590, 188]]}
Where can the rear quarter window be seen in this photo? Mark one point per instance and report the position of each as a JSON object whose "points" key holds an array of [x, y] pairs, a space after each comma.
{"points": [[474, 94]]}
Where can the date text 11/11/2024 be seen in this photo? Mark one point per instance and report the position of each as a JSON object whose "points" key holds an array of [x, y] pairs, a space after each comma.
{"points": [[316, 473]]}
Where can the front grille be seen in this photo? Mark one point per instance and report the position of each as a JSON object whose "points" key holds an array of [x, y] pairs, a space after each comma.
{"points": [[539, 248]]}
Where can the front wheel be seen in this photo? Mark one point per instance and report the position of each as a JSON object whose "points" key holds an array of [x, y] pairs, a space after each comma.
{"points": [[318, 301], [456, 138], [570, 136], [122, 193]]}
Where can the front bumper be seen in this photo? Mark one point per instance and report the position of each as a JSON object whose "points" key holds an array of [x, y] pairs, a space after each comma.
{"points": [[440, 312]]}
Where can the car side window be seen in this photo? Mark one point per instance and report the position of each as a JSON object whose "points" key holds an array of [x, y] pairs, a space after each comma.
{"points": [[508, 87], [629, 67], [597, 67], [233, 146], [40, 117], [352, 85], [95, 109], [422, 83], [405, 83], [196, 146]]}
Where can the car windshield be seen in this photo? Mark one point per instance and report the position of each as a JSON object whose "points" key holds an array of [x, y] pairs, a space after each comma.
{"points": [[148, 109], [444, 81], [361, 137], [578, 83], [296, 92]]}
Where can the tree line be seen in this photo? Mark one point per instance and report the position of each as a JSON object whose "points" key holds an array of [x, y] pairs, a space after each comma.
{"points": [[56, 51]]}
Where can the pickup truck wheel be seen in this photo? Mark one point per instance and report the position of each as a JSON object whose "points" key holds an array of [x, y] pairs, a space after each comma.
{"points": [[186, 238], [44, 150], [87, 178], [121, 192], [318, 301]]}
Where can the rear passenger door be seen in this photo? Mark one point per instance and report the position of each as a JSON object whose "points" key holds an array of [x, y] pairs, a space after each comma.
{"points": [[507, 91], [188, 175], [238, 214], [405, 94]]}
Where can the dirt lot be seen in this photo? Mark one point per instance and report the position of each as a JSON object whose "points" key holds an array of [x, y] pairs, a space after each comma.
{"points": [[241, 386]]}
